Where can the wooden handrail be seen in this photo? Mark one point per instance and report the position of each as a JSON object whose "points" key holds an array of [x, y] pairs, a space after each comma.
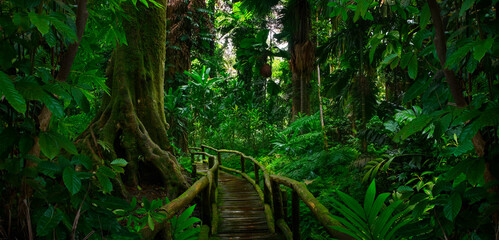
{"points": [[273, 197], [206, 186], [266, 175], [320, 212]]}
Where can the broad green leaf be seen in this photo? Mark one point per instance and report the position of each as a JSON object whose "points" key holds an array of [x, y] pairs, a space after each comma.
{"points": [[359, 234], [156, 4], [369, 16], [376, 208], [420, 36], [424, 18], [458, 55], [49, 168], [417, 88], [145, 2], [48, 145], [388, 59], [395, 63], [51, 39], [80, 99], [71, 180], [467, 4], [413, 67], [150, 222], [40, 21], [82, 160], [353, 217], [362, 6], [186, 214], [15, 99], [369, 198], [396, 219], [353, 204], [482, 47], [420, 208], [65, 143], [63, 29], [413, 127], [406, 58], [119, 162], [356, 14], [53, 105], [453, 206], [108, 172], [105, 183], [48, 221]]}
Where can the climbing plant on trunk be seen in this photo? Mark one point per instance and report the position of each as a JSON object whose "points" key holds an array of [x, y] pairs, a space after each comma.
{"points": [[131, 123]]}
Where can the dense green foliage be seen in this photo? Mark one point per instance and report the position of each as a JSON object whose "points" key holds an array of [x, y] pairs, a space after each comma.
{"points": [[390, 114]]}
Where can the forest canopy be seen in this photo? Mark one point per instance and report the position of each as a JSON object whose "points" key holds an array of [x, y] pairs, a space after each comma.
{"points": [[390, 104]]}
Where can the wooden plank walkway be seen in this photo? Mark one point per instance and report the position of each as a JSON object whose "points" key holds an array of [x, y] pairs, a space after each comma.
{"points": [[241, 210]]}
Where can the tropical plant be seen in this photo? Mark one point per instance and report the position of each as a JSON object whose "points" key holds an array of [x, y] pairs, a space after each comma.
{"points": [[182, 225], [374, 220]]}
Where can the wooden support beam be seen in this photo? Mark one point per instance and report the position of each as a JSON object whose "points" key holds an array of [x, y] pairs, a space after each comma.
{"points": [[277, 199], [242, 164], [194, 171], [202, 150], [284, 195], [295, 215], [257, 175]]}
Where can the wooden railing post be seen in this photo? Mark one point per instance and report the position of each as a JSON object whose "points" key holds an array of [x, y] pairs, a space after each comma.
{"points": [[206, 206], [276, 195], [193, 165], [257, 175], [219, 158], [211, 162], [266, 194], [284, 195], [202, 150], [242, 164], [295, 215]]}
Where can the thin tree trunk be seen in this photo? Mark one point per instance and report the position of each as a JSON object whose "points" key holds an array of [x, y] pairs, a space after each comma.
{"points": [[320, 107]]}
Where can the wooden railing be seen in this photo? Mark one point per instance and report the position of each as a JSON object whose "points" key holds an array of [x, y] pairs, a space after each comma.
{"points": [[206, 188], [275, 199]]}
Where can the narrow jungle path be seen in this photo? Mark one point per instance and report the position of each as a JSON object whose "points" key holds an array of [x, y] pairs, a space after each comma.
{"points": [[241, 210]]}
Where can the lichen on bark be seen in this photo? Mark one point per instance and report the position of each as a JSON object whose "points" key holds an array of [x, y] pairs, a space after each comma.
{"points": [[131, 123]]}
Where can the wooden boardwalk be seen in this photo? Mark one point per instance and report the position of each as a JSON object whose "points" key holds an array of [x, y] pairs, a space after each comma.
{"points": [[241, 210]]}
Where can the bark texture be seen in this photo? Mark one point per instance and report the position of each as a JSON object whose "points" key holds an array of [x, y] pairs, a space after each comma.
{"points": [[302, 58], [131, 123], [185, 23]]}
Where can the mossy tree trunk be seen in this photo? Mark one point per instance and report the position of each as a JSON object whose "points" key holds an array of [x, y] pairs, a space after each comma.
{"points": [[131, 123]]}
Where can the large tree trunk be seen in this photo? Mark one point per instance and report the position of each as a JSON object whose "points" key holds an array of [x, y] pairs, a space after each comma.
{"points": [[131, 122], [185, 23], [302, 58]]}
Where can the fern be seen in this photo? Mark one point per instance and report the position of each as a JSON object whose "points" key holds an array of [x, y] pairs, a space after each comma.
{"points": [[182, 226]]}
